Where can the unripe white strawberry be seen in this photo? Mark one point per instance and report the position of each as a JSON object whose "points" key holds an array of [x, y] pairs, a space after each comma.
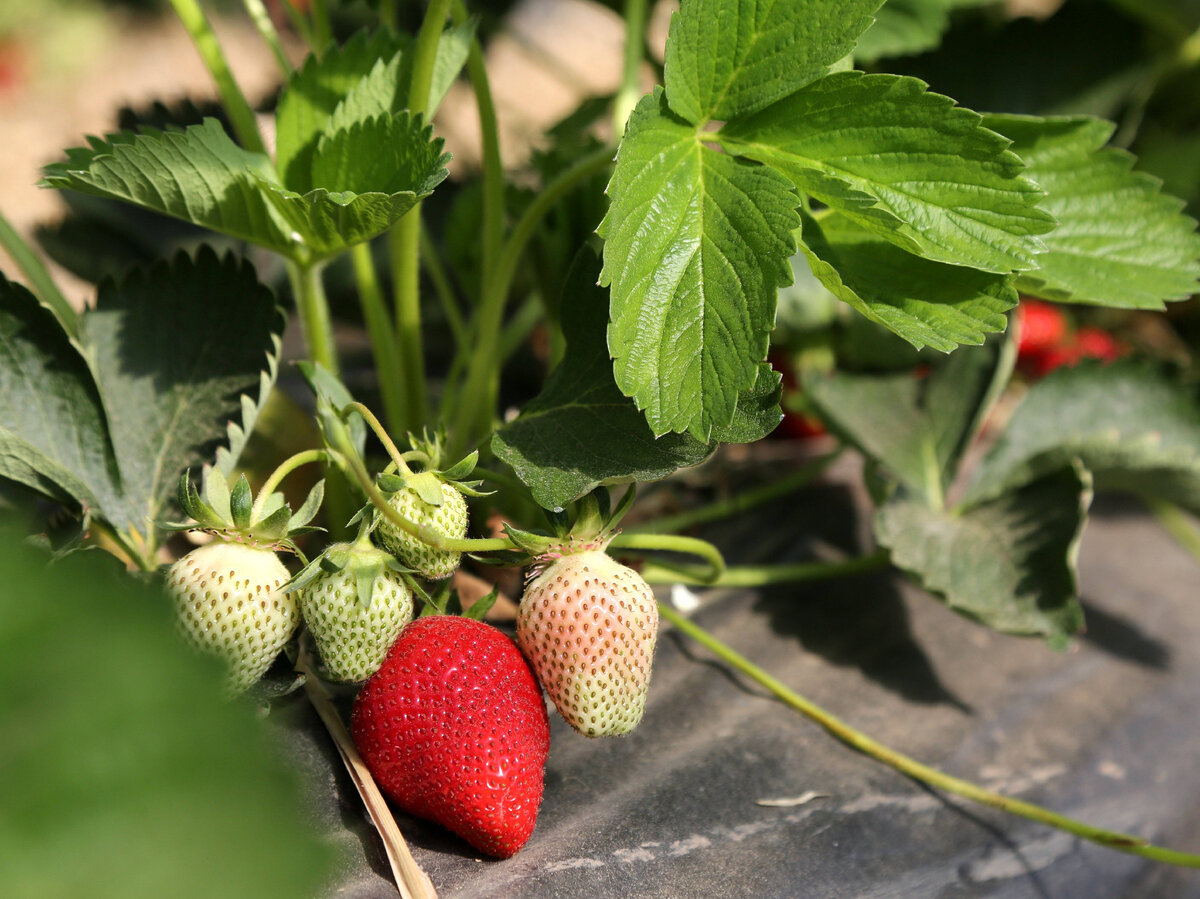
{"points": [[230, 604], [588, 625], [449, 519], [356, 611]]}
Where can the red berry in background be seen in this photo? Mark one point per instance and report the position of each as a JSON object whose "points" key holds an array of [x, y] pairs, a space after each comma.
{"points": [[1042, 327], [13, 66], [1095, 343], [795, 425], [454, 729]]}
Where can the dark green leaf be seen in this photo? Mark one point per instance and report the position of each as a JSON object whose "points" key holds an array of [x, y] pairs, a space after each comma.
{"points": [[907, 27], [758, 412], [696, 245], [926, 303], [1120, 242], [916, 428], [728, 58], [171, 350], [241, 500], [904, 163], [123, 770], [1008, 563], [391, 154], [53, 436], [1132, 426]]}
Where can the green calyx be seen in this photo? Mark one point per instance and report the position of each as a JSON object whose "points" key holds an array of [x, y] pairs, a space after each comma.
{"points": [[235, 514], [362, 559], [428, 481]]}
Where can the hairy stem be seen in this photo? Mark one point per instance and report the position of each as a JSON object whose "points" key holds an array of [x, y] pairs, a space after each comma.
{"points": [[43, 285], [635, 42], [388, 366], [286, 467], [241, 116], [374, 424], [266, 29], [482, 379], [739, 503], [661, 572], [313, 309], [1120, 841], [674, 543]]}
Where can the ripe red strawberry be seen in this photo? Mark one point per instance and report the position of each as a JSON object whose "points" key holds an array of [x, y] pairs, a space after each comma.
{"points": [[1042, 327], [454, 729], [588, 626]]}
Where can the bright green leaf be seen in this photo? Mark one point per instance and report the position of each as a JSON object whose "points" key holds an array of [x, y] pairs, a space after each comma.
{"points": [[917, 428], [1009, 563], [170, 369], [1129, 424], [904, 163], [199, 175], [124, 771], [696, 245], [1119, 242], [926, 303], [53, 436], [728, 58], [314, 92]]}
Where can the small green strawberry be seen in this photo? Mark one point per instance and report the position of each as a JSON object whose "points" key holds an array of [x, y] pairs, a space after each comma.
{"points": [[355, 603], [431, 499], [588, 626], [228, 593]]}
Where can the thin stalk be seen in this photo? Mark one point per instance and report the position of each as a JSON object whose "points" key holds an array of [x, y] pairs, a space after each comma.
{"points": [[673, 543], [479, 390], [1177, 523], [412, 882], [493, 167], [405, 238], [443, 288], [517, 328], [388, 366], [266, 29], [241, 116], [387, 13], [661, 572], [393, 451], [286, 467], [313, 309], [300, 23], [322, 28], [43, 285], [143, 560], [911, 767], [738, 504], [635, 42]]}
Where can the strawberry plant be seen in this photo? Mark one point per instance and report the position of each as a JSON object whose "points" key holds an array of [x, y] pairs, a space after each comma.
{"points": [[775, 177]]}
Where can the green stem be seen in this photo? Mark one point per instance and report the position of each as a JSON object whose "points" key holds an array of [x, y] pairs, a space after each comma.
{"points": [[493, 167], [300, 24], [1177, 523], [388, 444], [286, 467], [764, 575], [322, 28], [241, 116], [518, 326], [674, 543], [388, 367], [1113, 840], [387, 14], [39, 278], [313, 309], [480, 387], [635, 42], [739, 503], [443, 288], [135, 553], [266, 29]]}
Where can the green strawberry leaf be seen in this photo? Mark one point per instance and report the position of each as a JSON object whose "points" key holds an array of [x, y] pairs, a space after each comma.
{"points": [[123, 769], [581, 431], [926, 303], [1133, 427], [391, 154], [917, 428], [314, 92], [53, 436], [170, 369], [904, 163], [696, 245], [1008, 563], [1120, 241], [907, 27], [728, 58], [199, 175]]}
